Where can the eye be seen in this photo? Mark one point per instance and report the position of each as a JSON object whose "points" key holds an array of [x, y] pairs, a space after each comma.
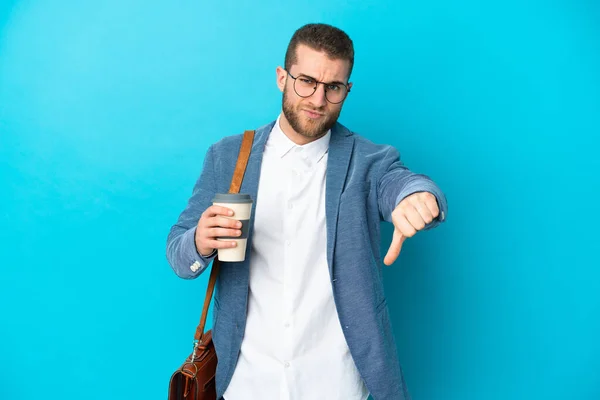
{"points": [[306, 80], [333, 88]]}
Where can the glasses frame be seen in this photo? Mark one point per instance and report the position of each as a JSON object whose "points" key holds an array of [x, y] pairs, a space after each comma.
{"points": [[317, 85]]}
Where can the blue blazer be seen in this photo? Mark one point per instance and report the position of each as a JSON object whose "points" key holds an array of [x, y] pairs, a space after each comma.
{"points": [[364, 183]]}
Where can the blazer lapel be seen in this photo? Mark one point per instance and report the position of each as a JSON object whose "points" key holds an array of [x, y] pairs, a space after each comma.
{"points": [[341, 145], [252, 174]]}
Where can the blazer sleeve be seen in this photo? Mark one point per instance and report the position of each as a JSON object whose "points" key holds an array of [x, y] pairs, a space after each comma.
{"points": [[396, 182], [181, 245]]}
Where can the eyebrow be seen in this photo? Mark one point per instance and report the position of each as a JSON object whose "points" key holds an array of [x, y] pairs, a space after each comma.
{"points": [[328, 83]]}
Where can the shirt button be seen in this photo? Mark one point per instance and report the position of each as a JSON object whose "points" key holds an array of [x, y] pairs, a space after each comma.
{"points": [[286, 364], [287, 243], [290, 206], [287, 325]]}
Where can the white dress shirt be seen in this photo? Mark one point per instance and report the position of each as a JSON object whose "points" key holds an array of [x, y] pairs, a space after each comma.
{"points": [[293, 346]]}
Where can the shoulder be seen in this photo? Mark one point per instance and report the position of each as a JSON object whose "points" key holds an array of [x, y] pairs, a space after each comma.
{"points": [[228, 142], [367, 148], [233, 142]]}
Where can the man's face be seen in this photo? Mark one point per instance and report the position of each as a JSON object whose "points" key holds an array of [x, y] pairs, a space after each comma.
{"points": [[314, 115]]}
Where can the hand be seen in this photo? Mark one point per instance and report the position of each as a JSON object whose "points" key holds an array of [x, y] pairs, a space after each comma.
{"points": [[213, 224], [409, 217]]}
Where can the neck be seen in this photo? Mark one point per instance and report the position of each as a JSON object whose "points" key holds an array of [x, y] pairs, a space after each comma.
{"points": [[294, 136]]}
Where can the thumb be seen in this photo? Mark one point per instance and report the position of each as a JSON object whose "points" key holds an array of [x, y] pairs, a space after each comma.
{"points": [[395, 247]]}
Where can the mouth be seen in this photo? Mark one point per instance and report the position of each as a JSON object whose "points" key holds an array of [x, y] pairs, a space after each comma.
{"points": [[313, 114]]}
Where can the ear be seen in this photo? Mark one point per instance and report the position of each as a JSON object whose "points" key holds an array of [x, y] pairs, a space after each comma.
{"points": [[281, 78], [349, 86]]}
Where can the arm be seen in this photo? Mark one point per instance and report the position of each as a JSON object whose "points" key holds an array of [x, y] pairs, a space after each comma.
{"points": [[182, 253]]}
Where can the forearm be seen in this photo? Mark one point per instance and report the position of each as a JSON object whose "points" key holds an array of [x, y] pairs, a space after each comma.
{"points": [[182, 253]]}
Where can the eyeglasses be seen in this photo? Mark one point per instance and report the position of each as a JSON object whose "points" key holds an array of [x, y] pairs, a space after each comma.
{"points": [[305, 86]]}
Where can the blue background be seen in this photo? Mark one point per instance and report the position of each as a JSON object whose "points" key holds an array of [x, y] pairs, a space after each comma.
{"points": [[107, 108]]}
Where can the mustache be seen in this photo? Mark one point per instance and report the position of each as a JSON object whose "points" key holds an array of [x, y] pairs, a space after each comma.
{"points": [[320, 110]]}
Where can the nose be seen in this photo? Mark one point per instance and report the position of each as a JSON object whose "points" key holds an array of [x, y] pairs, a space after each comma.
{"points": [[318, 98]]}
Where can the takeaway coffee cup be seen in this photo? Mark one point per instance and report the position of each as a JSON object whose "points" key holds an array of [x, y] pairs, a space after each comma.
{"points": [[241, 204]]}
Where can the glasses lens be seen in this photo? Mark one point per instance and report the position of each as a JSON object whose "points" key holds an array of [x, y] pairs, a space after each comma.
{"points": [[335, 93], [304, 86]]}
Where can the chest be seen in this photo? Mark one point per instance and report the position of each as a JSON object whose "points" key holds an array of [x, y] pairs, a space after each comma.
{"points": [[291, 195]]}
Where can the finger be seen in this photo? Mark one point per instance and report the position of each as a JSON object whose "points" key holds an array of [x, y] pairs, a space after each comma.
{"points": [[395, 248], [424, 211], [415, 219], [217, 210], [223, 222], [220, 244], [432, 205], [222, 232], [401, 223]]}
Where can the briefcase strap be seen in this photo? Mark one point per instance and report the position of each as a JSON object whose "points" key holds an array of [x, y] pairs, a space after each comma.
{"points": [[236, 183]]}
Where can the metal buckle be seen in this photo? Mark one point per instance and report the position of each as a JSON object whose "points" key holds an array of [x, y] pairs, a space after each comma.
{"points": [[196, 344], [195, 369]]}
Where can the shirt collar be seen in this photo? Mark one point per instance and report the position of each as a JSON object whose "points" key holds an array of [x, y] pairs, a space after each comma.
{"points": [[283, 145]]}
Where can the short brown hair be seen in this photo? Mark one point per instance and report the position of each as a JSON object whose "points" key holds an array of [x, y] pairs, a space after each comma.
{"points": [[321, 37]]}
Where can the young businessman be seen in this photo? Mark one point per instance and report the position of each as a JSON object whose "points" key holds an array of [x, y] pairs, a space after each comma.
{"points": [[305, 316]]}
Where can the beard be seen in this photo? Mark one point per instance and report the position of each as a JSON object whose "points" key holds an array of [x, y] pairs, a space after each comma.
{"points": [[303, 125]]}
